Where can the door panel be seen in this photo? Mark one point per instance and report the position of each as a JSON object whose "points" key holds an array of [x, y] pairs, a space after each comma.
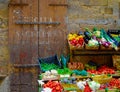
{"points": [[23, 40], [52, 38], [34, 31]]}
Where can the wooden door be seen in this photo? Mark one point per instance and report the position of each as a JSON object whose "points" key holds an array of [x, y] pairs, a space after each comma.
{"points": [[37, 28], [23, 40], [52, 38]]}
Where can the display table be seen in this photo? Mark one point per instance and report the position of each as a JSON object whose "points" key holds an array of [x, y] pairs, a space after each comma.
{"points": [[83, 52]]}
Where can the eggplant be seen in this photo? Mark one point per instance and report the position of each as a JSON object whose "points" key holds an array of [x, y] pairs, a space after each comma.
{"points": [[87, 35], [86, 40]]}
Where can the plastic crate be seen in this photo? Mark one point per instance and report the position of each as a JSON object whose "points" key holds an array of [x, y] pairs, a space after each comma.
{"points": [[50, 59]]}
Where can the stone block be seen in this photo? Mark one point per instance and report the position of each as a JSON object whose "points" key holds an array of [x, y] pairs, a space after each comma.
{"points": [[89, 2], [94, 2], [73, 27], [99, 2], [108, 10]]}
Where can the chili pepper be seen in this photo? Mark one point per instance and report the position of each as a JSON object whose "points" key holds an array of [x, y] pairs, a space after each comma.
{"points": [[87, 88]]}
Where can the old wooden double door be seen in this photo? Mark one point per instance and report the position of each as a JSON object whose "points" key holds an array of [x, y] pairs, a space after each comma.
{"points": [[37, 28]]}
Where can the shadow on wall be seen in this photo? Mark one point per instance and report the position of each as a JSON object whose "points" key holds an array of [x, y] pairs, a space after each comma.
{"points": [[5, 85]]}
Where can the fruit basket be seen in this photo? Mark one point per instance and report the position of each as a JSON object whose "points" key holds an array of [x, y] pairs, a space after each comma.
{"points": [[75, 41], [102, 79], [74, 47]]}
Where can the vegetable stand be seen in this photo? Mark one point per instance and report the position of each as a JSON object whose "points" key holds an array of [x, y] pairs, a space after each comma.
{"points": [[93, 42], [65, 76]]}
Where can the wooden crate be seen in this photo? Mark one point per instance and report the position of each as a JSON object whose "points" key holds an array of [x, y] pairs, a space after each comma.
{"points": [[91, 47], [116, 61], [105, 48]]}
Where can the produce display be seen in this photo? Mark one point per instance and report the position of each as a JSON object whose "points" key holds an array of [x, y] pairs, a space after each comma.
{"points": [[92, 79], [93, 39], [87, 79], [77, 76]]}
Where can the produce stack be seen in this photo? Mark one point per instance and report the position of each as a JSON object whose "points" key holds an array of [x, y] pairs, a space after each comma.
{"points": [[61, 75], [76, 41], [94, 39], [65, 76]]}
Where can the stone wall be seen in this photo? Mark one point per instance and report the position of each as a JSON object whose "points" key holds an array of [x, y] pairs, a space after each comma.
{"points": [[4, 50], [90, 13]]}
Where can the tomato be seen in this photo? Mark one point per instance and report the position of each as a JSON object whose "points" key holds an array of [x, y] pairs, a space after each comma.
{"points": [[58, 88]]}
